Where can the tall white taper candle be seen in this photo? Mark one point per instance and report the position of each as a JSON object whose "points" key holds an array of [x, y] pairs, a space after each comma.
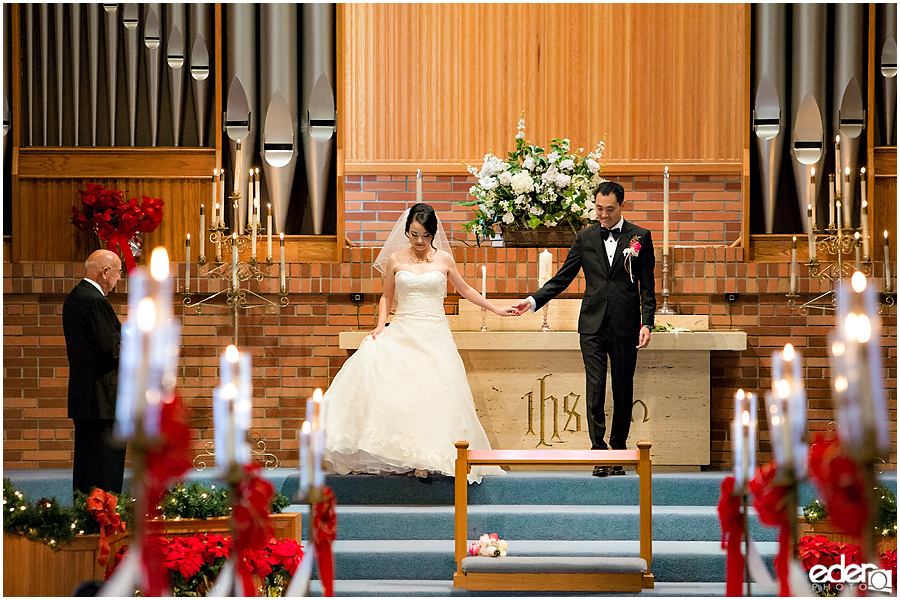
{"points": [[666, 211]]}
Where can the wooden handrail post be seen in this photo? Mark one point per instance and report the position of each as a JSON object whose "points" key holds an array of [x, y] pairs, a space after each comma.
{"points": [[646, 501], [461, 501]]}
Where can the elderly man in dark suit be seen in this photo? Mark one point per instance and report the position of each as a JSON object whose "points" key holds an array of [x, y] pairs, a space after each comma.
{"points": [[616, 312], [93, 334]]}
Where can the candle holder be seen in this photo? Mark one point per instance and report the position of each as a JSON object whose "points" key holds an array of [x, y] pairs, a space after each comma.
{"points": [[665, 309], [545, 326], [260, 454], [483, 320], [234, 273]]}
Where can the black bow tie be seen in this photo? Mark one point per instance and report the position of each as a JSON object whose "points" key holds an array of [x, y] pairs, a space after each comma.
{"points": [[606, 232]]}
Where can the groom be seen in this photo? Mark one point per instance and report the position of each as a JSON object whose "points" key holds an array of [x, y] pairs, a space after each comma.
{"points": [[616, 311]]}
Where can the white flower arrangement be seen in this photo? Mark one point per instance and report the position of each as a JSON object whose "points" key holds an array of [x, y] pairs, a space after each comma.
{"points": [[532, 188]]}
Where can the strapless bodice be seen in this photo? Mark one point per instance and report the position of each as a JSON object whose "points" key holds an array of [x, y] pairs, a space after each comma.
{"points": [[420, 294]]}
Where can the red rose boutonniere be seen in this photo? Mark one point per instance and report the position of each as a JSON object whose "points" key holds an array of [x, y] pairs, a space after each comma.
{"points": [[633, 249]]}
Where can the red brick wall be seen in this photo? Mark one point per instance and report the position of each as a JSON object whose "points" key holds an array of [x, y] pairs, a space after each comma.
{"points": [[296, 350]]}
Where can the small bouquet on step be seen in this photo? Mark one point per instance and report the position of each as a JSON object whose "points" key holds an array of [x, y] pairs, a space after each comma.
{"points": [[488, 545]]}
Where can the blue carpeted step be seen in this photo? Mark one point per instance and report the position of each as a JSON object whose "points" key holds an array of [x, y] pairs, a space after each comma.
{"points": [[673, 561], [439, 588], [533, 522]]}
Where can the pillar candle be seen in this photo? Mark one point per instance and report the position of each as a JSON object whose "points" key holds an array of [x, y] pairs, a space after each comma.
{"points": [[483, 281], [202, 232], [864, 213], [418, 185], [888, 283], [847, 196], [794, 265], [666, 211], [281, 243], [544, 266], [269, 234]]}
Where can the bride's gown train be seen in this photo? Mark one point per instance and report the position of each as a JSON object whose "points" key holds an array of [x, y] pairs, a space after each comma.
{"points": [[402, 401]]}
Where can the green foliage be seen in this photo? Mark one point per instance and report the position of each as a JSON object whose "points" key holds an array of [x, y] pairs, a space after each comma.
{"points": [[195, 501], [815, 511]]}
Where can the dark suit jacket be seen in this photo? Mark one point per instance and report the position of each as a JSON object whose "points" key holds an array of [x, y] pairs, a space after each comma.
{"points": [[93, 334], [608, 289]]}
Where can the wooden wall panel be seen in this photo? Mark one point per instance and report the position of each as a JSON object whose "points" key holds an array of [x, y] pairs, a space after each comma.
{"points": [[437, 84]]}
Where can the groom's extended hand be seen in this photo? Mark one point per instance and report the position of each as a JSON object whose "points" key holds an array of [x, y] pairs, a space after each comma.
{"points": [[523, 306]]}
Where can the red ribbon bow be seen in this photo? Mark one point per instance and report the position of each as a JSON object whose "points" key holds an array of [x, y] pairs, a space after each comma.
{"points": [[102, 508], [253, 530], [732, 524], [324, 534], [840, 482], [770, 502]]}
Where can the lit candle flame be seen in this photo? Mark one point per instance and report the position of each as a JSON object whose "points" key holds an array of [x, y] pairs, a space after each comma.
{"points": [[745, 418], [837, 348], [858, 281], [306, 427], [159, 263], [840, 384], [788, 352], [232, 354]]}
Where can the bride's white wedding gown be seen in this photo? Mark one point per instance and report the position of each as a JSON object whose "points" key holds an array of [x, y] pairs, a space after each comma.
{"points": [[402, 401]]}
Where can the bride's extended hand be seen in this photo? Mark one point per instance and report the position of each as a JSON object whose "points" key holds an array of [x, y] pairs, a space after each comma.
{"points": [[377, 331], [507, 311]]}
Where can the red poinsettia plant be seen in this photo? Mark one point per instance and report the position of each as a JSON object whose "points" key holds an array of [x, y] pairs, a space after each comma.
{"points": [[194, 562], [115, 221]]}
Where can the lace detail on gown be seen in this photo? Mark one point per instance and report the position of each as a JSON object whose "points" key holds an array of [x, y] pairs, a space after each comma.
{"points": [[402, 401]]}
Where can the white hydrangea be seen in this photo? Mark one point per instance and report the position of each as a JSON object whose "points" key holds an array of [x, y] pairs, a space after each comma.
{"points": [[492, 165], [553, 156], [549, 175], [521, 183], [505, 178], [488, 183], [567, 164], [562, 180], [528, 163], [593, 165]]}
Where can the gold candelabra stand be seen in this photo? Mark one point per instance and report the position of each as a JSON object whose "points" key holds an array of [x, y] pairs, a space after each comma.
{"points": [[235, 273]]}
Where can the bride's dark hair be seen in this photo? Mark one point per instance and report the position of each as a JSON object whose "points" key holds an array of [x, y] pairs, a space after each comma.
{"points": [[424, 215]]}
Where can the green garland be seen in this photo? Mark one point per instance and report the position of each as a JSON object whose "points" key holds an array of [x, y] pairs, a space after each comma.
{"points": [[50, 523], [815, 511]]}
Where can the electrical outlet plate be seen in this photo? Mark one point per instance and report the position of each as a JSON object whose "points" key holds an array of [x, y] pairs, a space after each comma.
{"points": [[732, 297], [357, 298]]}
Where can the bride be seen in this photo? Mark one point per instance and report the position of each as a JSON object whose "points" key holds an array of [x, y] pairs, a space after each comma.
{"points": [[402, 401]]}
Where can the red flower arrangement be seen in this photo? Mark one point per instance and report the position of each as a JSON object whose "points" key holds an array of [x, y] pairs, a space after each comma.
{"points": [[194, 562], [115, 221]]}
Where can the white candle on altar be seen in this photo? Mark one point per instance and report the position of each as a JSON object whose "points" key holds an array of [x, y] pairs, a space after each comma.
{"points": [[545, 264], [812, 235], [666, 211], [215, 195], [305, 458], [812, 197], [418, 185], [239, 159], [250, 217], [888, 283], [837, 162], [234, 262], [864, 213], [187, 262], [283, 274], [202, 232], [794, 265], [483, 281], [269, 234], [256, 194], [830, 201], [221, 204], [847, 198]]}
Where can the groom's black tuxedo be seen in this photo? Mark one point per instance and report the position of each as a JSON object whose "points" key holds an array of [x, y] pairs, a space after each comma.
{"points": [[613, 310], [93, 334]]}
